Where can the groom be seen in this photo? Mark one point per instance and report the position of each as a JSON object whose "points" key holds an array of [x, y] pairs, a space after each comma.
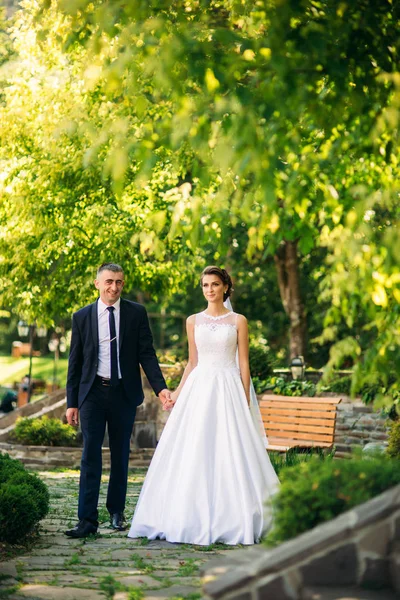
{"points": [[111, 338]]}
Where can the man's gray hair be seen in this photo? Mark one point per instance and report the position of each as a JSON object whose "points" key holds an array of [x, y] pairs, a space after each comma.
{"points": [[109, 267]]}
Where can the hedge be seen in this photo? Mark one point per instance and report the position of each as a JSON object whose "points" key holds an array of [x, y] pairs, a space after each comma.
{"points": [[24, 500], [316, 491], [44, 431]]}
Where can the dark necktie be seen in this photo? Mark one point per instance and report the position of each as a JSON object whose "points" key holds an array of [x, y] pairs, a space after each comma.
{"points": [[113, 346]]}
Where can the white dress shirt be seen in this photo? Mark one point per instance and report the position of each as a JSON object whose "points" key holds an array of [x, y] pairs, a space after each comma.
{"points": [[104, 363]]}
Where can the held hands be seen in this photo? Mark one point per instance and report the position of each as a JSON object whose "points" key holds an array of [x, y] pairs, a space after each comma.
{"points": [[168, 399], [72, 415], [173, 399]]}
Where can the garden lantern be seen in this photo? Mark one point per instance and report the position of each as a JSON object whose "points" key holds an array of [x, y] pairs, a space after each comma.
{"points": [[56, 345], [297, 367], [41, 331], [23, 331]]}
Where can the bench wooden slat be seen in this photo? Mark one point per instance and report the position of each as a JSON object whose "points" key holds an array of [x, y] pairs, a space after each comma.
{"points": [[298, 421], [282, 445], [292, 412], [298, 435], [299, 399], [293, 442], [272, 418], [294, 406], [295, 427], [278, 448]]}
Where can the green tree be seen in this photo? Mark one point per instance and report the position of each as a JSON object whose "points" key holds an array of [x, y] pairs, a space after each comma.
{"points": [[268, 114], [273, 99], [59, 219]]}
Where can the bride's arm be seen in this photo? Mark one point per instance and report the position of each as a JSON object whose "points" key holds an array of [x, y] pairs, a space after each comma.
{"points": [[243, 352], [192, 362]]}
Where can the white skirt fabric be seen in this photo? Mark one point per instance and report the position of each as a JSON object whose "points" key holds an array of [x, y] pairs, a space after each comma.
{"points": [[210, 478]]}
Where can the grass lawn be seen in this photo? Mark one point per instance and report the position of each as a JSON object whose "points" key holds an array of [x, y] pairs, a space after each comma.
{"points": [[13, 369]]}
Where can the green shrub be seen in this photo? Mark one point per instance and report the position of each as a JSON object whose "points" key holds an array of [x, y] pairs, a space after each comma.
{"points": [[18, 512], [261, 365], [316, 491], [173, 376], [9, 466], [295, 456], [383, 395], [24, 500], [39, 490], [393, 448], [44, 432], [175, 355], [340, 385], [290, 387]]}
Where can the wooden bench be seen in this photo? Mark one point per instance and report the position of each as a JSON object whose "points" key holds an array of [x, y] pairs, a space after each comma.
{"points": [[298, 421]]}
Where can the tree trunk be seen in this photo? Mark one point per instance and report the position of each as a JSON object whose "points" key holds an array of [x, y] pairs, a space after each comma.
{"points": [[287, 265]]}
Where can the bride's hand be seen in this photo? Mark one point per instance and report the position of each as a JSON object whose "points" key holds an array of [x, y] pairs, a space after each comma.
{"points": [[169, 404]]}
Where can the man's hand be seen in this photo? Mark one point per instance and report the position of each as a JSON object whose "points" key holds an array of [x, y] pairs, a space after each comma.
{"points": [[167, 399], [72, 415], [165, 396]]}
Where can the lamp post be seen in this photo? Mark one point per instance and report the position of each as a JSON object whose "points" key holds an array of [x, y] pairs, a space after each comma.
{"points": [[56, 345], [25, 330], [297, 367]]}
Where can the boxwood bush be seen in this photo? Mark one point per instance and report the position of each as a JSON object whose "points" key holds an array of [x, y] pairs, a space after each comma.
{"points": [[316, 491], [44, 432], [393, 448], [24, 500]]}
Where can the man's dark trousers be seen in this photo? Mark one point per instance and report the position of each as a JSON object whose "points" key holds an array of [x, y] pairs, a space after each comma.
{"points": [[104, 404]]}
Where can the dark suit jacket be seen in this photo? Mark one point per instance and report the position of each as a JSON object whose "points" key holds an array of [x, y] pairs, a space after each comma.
{"points": [[135, 348]]}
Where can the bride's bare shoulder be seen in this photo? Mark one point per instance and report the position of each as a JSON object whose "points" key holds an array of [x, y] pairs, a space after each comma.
{"points": [[241, 319], [191, 320]]}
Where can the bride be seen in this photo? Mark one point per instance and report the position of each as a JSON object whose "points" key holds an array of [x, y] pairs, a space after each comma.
{"points": [[210, 478]]}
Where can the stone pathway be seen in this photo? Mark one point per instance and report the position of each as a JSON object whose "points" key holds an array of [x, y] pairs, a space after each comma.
{"points": [[108, 565]]}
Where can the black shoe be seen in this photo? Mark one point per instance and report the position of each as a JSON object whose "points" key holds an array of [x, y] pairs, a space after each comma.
{"points": [[117, 521], [82, 529]]}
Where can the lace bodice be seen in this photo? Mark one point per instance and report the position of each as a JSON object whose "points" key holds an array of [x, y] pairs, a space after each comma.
{"points": [[216, 340]]}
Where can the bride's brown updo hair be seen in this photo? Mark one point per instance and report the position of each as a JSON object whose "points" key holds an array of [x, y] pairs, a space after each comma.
{"points": [[224, 277]]}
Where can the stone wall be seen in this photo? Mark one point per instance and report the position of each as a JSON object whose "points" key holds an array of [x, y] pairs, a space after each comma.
{"points": [[359, 548], [50, 457], [358, 425]]}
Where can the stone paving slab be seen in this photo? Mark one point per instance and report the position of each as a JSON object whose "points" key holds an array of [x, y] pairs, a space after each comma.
{"points": [[46, 592], [9, 568], [175, 591], [171, 592], [60, 579], [138, 580], [6, 584], [58, 567], [45, 563]]}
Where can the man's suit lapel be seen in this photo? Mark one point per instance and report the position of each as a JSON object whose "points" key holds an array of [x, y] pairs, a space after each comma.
{"points": [[95, 327], [122, 321]]}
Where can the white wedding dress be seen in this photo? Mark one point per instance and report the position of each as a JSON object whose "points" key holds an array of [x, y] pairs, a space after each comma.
{"points": [[210, 478]]}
